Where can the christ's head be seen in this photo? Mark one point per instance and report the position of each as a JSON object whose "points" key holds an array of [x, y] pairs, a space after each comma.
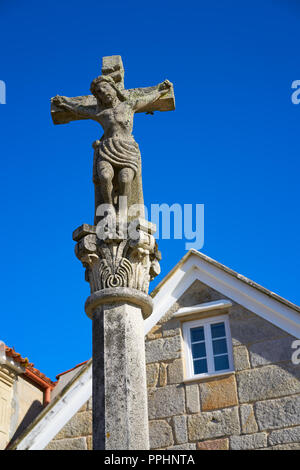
{"points": [[105, 91]]}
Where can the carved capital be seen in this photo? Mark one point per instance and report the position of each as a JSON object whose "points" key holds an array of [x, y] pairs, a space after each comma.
{"points": [[127, 261]]}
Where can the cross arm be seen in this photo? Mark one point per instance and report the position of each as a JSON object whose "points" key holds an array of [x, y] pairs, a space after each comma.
{"points": [[85, 106], [73, 109], [156, 98]]}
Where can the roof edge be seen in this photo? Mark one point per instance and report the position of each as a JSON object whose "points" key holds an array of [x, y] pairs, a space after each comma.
{"points": [[228, 271], [14, 445]]}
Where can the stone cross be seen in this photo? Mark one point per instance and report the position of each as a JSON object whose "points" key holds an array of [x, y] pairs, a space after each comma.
{"points": [[118, 266], [117, 160], [112, 66]]}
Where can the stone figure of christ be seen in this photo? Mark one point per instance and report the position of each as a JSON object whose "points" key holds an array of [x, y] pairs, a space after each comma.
{"points": [[117, 155]]}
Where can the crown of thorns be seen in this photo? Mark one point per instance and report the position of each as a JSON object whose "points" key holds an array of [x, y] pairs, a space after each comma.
{"points": [[109, 80]]}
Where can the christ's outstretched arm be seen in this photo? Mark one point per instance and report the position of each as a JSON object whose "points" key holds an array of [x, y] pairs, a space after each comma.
{"points": [[148, 98], [68, 104]]}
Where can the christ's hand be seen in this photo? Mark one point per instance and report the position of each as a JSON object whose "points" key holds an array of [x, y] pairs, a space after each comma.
{"points": [[165, 85]]}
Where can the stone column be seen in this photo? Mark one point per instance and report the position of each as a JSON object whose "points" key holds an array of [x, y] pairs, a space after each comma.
{"points": [[117, 259], [119, 271]]}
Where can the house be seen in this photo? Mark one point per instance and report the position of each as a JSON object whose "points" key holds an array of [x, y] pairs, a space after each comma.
{"points": [[24, 391], [221, 369]]}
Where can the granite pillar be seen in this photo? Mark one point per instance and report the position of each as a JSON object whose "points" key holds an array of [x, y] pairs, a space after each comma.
{"points": [[120, 413], [118, 305]]}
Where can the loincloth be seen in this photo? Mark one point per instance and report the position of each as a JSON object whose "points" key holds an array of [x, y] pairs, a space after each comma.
{"points": [[119, 153]]}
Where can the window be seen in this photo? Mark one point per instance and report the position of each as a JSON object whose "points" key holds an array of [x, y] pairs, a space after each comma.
{"points": [[208, 347]]}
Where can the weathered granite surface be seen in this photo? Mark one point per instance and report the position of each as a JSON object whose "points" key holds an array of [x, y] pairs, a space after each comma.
{"points": [[249, 442], [120, 416]]}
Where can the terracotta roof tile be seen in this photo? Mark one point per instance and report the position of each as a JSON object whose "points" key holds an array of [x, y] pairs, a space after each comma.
{"points": [[17, 357], [28, 365]]}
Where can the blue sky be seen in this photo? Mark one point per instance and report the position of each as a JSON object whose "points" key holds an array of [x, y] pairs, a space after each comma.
{"points": [[232, 144]]}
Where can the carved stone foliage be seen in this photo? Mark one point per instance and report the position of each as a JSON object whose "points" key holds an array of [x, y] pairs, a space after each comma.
{"points": [[123, 261]]}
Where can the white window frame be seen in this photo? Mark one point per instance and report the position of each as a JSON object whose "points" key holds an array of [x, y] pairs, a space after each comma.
{"points": [[206, 322]]}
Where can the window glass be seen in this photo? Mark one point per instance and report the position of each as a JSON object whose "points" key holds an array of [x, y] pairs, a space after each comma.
{"points": [[197, 334], [198, 350], [209, 348], [200, 366], [218, 330], [218, 334], [220, 346], [221, 362]]}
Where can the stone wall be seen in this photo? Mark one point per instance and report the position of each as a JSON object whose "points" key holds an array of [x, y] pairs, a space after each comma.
{"points": [[28, 399], [20, 402], [256, 407], [77, 433]]}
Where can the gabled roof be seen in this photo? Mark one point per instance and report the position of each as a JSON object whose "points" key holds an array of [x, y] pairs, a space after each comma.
{"points": [[197, 266], [193, 266], [24, 366]]}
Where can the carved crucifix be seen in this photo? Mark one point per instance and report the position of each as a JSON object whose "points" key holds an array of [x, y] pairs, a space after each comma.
{"points": [[117, 160], [120, 266]]}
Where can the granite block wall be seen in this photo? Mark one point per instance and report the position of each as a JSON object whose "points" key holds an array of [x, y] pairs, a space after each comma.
{"points": [[255, 407]]}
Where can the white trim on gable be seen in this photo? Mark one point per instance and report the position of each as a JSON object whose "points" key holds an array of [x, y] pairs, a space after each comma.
{"points": [[171, 291], [58, 413], [230, 284]]}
